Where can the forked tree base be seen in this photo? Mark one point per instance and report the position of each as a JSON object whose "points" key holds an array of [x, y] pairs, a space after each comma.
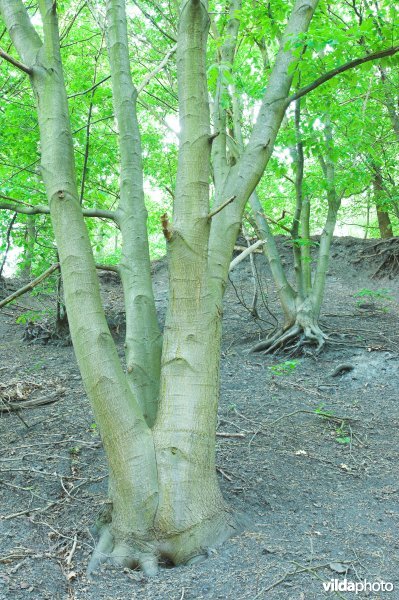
{"points": [[295, 336], [184, 548]]}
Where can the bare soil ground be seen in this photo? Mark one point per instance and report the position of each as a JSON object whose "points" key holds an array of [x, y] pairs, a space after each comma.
{"points": [[321, 493]]}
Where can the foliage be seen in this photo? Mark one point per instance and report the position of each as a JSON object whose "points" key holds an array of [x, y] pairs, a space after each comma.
{"points": [[380, 298], [380, 294], [342, 432], [31, 316], [285, 368], [358, 102]]}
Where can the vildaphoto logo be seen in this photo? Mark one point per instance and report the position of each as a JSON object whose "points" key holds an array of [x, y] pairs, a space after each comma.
{"points": [[345, 585]]}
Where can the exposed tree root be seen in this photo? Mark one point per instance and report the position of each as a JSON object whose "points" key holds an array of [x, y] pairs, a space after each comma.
{"points": [[45, 332], [386, 252], [134, 554], [186, 548], [303, 334], [267, 342]]}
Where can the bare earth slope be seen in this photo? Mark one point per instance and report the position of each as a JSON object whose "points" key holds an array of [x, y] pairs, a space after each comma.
{"points": [[321, 493]]}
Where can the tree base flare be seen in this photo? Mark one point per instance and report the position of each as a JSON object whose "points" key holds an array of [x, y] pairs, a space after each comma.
{"points": [[294, 338], [188, 547]]}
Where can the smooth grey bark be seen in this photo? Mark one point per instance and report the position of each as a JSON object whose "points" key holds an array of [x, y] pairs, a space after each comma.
{"points": [[143, 337], [284, 289], [302, 306], [116, 409], [164, 495], [245, 174], [334, 203], [30, 238], [220, 162], [185, 429]]}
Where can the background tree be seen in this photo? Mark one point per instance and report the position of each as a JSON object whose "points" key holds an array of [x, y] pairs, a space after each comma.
{"points": [[301, 306]]}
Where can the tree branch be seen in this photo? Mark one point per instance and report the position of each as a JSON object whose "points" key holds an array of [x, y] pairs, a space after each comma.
{"points": [[157, 69], [45, 210], [30, 285], [154, 22], [338, 70], [245, 253], [143, 336], [88, 124], [15, 62], [221, 207], [191, 199], [91, 89], [23, 34], [287, 229]]}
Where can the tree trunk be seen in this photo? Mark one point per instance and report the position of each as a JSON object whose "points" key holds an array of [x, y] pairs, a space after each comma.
{"points": [[384, 222], [190, 514], [127, 439], [30, 238], [164, 498], [143, 340], [190, 502], [302, 307]]}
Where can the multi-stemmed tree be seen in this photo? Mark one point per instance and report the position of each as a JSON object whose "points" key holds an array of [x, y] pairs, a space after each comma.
{"points": [[158, 417]]}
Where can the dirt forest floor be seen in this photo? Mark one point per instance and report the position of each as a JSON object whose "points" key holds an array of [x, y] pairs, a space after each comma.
{"points": [[321, 492]]}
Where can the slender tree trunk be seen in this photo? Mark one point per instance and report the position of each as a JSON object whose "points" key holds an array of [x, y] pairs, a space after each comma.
{"points": [[284, 290], [8, 242], [305, 303], [245, 174], [143, 338], [127, 439], [306, 259], [384, 222], [299, 265], [30, 238], [366, 228]]}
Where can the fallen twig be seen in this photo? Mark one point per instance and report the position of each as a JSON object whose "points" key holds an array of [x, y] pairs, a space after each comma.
{"points": [[31, 285], [219, 470], [14, 556], [26, 511], [301, 569], [72, 551], [16, 406]]}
